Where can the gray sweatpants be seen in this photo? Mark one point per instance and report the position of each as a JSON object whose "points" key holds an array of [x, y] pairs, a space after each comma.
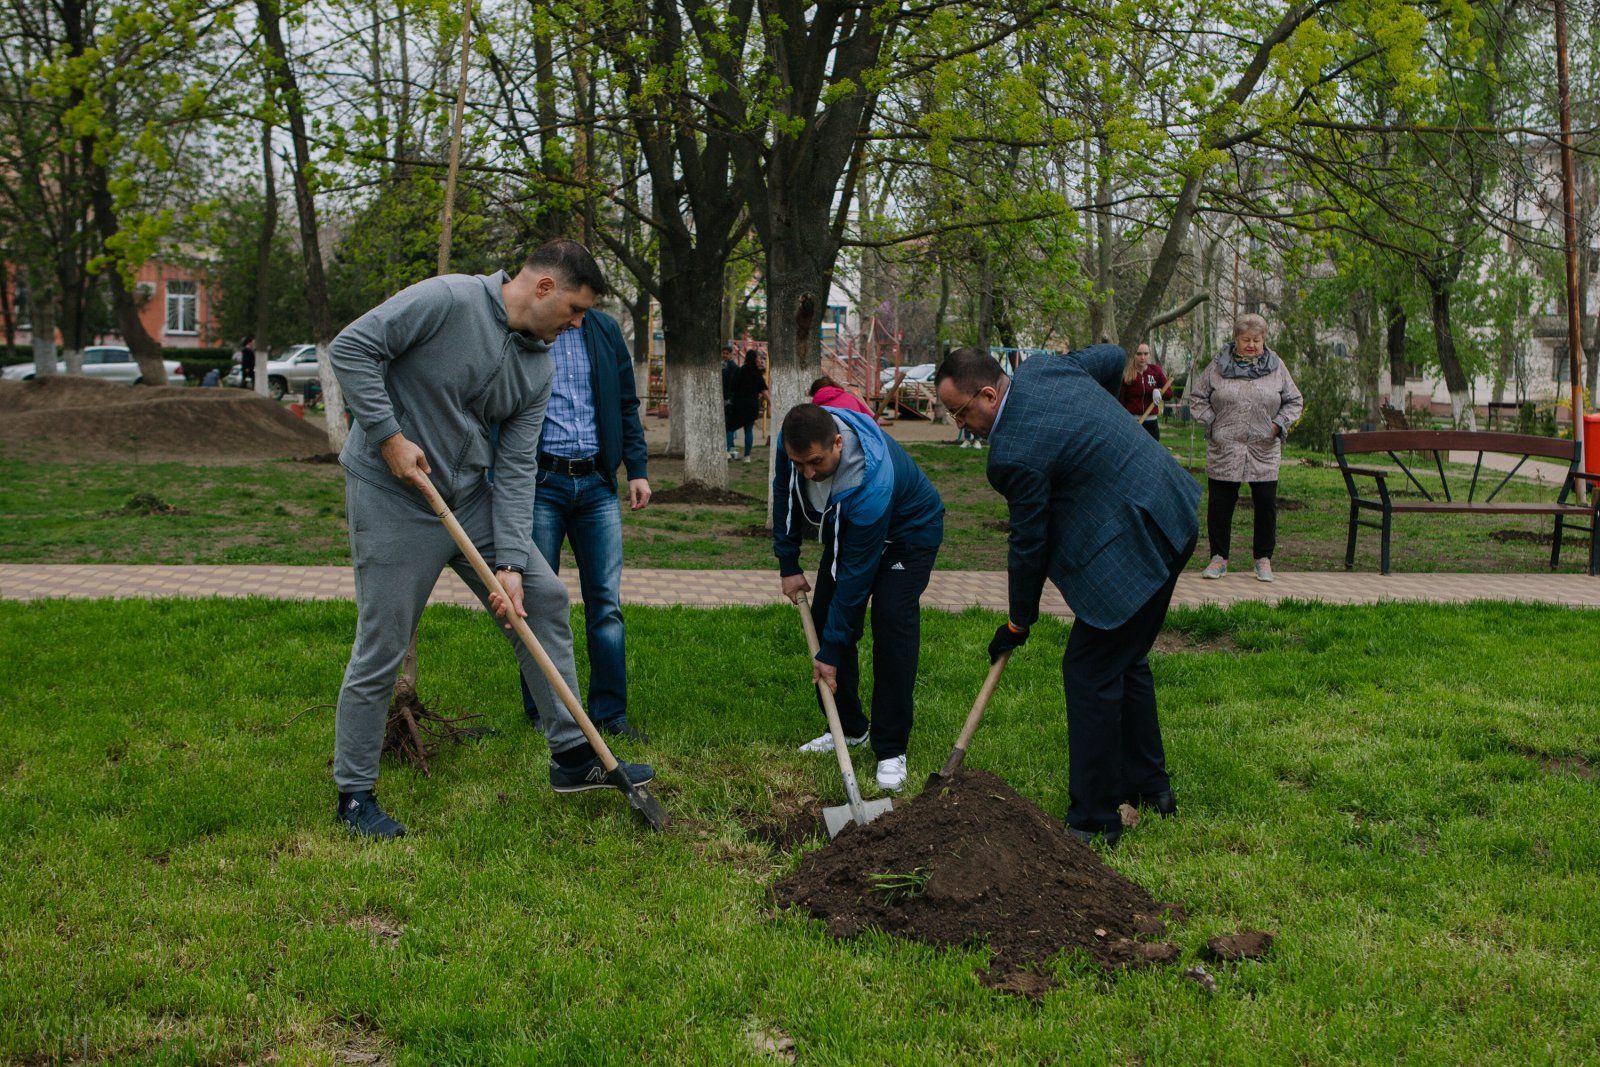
{"points": [[399, 547]]}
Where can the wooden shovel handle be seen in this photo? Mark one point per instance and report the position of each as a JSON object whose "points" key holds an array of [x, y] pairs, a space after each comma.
{"points": [[831, 709], [519, 625], [975, 716]]}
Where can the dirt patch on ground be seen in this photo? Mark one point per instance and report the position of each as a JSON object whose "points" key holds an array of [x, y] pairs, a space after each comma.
{"points": [[792, 820], [1168, 641], [1572, 763], [144, 504], [754, 529], [695, 493], [1244, 945], [79, 418], [1285, 503], [1002, 525], [971, 861], [1537, 537]]}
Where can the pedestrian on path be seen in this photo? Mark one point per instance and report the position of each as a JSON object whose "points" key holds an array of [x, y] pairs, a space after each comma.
{"points": [[427, 374], [882, 523], [1144, 384], [749, 389], [590, 427], [1108, 515], [1247, 402]]}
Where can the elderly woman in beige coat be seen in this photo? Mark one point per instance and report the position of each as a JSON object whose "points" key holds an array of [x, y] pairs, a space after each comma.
{"points": [[1246, 401]]}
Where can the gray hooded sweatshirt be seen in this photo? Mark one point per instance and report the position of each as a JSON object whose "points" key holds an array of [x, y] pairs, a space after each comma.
{"points": [[438, 363]]}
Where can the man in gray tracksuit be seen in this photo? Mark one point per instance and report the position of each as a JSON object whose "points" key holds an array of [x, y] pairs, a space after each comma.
{"points": [[426, 375]]}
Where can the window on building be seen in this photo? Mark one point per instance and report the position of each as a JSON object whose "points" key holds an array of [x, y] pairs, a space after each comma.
{"points": [[183, 304]]}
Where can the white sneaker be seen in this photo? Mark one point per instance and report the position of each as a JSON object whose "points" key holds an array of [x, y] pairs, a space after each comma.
{"points": [[1263, 570], [733, 453], [825, 743], [892, 774], [1216, 568], [747, 457]]}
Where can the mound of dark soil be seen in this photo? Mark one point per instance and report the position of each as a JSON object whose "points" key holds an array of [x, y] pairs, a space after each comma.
{"points": [[80, 418], [695, 493], [971, 861]]}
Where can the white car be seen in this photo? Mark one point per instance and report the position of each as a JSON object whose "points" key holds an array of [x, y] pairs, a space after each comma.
{"points": [[289, 373], [922, 372], [109, 363]]}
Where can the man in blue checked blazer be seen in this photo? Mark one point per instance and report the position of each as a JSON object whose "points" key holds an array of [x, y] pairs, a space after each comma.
{"points": [[1104, 511]]}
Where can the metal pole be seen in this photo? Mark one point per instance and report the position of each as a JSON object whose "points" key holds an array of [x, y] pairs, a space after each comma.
{"points": [[1570, 220], [448, 215]]}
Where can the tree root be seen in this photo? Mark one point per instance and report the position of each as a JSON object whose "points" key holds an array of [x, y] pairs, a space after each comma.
{"points": [[414, 732]]}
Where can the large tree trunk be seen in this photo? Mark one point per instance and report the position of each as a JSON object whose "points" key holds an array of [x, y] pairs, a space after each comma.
{"points": [[146, 349], [692, 340], [1444, 339], [1395, 344], [44, 301], [306, 207], [269, 230]]}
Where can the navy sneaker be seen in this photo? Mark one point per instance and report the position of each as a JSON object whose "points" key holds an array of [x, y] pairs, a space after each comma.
{"points": [[1164, 802], [359, 813], [624, 729], [592, 775], [1110, 835]]}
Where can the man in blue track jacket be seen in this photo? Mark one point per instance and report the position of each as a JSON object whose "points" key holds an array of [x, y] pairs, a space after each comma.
{"points": [[881, 522], [1104, 511]]}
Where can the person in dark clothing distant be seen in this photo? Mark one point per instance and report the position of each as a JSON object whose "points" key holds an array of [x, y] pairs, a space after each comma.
{"points": [[749, 387], [1109, 516], [882, 522], [247, 362], [1143, 384]]}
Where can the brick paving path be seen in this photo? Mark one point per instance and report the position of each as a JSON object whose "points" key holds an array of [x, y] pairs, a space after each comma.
{"points": [[949, 590]]}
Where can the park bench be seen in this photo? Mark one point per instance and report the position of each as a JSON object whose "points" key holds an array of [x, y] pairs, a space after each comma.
{"points": [[1565, 509]]}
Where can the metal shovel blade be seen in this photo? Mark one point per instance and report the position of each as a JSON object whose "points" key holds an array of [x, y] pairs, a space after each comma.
{"points": [[836, 819], [641, 799]]}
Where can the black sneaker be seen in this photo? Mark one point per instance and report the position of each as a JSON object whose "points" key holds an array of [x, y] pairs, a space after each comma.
{"points": [[592, 775], [624, 729], [1110, 836], [359, 813], [1164, 802]]}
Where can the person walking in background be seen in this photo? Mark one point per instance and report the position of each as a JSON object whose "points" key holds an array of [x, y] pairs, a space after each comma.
{"points": [[1247, 402], [828, 393], [749, 388], [247, 362], [591, 426], [1144, 384], [1106, 514]]}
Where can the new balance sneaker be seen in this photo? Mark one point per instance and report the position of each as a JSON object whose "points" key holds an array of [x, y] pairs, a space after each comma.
{"points": [[1263, 570], [592, 775], [360, 814], [825, 743], [892, 774], [1216, 568]]}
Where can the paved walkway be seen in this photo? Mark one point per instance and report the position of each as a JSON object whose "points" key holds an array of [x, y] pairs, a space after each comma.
{"points": [[949, 590]]}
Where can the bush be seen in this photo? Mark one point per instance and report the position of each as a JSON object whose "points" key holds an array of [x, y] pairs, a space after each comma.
{"points": [[1328, 386], [11, 355]]}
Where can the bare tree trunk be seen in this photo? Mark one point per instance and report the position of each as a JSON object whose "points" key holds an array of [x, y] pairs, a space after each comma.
{"points": [[1395, 344], [43, 300], [305, 203], [269, 230], [1444, 339]]}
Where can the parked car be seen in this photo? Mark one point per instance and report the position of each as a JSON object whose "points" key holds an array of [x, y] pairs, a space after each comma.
{"points": [[921, 372], [289, 373], [109, 363]]}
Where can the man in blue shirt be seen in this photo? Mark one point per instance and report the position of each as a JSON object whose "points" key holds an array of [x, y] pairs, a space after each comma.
{"points": [[882, 522], [590, 427]]}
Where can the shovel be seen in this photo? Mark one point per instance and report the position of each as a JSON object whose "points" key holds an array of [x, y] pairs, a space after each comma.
{"points": [[858, 811], [974, 717], [639, 796]]}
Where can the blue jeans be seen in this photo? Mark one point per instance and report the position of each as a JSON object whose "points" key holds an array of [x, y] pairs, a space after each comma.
{"points": [[585, 512], [749, 437]]}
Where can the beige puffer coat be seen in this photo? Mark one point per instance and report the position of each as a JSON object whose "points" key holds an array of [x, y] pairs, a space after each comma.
{"points": [[1239, 413]]}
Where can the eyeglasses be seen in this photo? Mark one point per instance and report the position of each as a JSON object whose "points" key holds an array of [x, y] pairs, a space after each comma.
{"points": [[956, 414]]}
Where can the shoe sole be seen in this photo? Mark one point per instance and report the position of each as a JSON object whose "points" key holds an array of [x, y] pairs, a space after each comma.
{"points": [[587, 786]]}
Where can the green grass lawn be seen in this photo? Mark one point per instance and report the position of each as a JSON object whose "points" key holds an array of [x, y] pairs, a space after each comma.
{"points": [[292, 512], [1415, 819]]}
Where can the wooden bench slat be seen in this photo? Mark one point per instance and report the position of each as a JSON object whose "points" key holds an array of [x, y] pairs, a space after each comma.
{"points": [[1492, 509]]}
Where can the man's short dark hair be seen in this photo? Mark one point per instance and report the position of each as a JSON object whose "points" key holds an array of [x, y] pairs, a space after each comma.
{"points": [[572, 262], [808, 426], [970, 369]]}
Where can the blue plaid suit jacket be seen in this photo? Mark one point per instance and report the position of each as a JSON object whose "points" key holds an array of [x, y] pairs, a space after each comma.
{"points": [[1097, 505]]}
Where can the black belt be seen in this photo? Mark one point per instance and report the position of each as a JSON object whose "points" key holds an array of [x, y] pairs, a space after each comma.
{"points": [[573, 468]]}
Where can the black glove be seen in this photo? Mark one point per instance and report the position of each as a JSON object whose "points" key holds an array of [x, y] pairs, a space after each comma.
{"points": [[1006, 640]]}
